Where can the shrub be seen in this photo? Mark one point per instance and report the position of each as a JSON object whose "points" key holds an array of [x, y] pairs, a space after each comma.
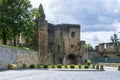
{"points": [[49, 65], [76, 66], [41, 66], [82, 67], [45, 66], [55, 66], [63, 66], [32, 66], [12, 66]]}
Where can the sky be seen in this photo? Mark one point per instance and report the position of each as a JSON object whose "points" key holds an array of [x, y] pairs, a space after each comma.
{"points": [[99, 19]]}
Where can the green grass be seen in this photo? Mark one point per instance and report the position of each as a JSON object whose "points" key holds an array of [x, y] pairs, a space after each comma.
{"points": [[16, 47]]}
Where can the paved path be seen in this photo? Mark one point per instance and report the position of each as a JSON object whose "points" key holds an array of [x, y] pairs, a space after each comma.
{"points": [[35, 74]]}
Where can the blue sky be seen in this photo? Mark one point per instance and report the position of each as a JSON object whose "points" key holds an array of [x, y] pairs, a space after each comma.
{"points": [[99, 19]]}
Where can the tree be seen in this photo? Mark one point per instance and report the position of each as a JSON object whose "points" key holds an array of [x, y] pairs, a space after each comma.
{"points": [[16, 17], [89, 47], [29, 32], [114, 38], [1, 2], [4, 29]]}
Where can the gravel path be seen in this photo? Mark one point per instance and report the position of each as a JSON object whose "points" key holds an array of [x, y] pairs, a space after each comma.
{"points": [[110, 73]]}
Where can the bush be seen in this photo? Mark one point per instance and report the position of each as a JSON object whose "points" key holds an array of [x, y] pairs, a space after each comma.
{"points": [[63, 66], [50, 66], [12, 66], [32, 66], [76, 66], [45, 66], [55, 66], [82, 67]]}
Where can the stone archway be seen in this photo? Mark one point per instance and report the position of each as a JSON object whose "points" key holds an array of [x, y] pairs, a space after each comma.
{"points": [[71, 59]]}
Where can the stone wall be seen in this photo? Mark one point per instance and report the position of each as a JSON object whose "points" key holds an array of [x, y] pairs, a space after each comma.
{"points": [[17, 56], [109, 47], [109, 64]]}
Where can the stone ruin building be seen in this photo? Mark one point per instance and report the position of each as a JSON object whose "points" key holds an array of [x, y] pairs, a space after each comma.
{"points": [[110, 50], [57, 44]]}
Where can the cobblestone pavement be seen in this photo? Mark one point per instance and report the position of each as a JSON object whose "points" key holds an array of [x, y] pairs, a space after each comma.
{"points": [[37, 74]]}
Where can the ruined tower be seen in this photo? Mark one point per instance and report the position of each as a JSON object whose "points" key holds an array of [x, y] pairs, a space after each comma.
{"points": [[57, 44], [41, 36]]}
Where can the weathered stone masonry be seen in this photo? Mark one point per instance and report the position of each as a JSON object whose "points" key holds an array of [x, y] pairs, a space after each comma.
{"points": [[56, 42], [17, 56]]}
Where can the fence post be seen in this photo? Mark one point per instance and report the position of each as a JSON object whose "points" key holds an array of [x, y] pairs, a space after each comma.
{"points": [[118, 67]]}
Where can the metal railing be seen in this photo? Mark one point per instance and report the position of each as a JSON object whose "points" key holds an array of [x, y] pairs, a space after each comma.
{"points": [[106, 60]]}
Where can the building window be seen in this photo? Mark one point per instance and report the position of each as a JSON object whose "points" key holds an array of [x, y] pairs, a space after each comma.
{"points": [[72, 34]]}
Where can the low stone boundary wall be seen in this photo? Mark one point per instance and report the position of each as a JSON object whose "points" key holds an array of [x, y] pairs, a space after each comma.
{"points": [[17, 56], [110, 64]]}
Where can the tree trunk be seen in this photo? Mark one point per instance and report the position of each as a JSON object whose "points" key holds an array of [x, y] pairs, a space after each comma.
{"points": [[4, 38], [14, 39]]}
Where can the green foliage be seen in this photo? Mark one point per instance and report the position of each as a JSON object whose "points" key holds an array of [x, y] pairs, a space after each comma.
{"points": [[17, 47], [1, 1], [32, 66], [89, 47], [17, 16], [49, 66], [12, 66], [115, 38], [76, 66]]}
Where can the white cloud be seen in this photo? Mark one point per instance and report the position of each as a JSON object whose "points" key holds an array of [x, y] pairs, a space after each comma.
{"points": [[95, 38], [98, 18]]}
